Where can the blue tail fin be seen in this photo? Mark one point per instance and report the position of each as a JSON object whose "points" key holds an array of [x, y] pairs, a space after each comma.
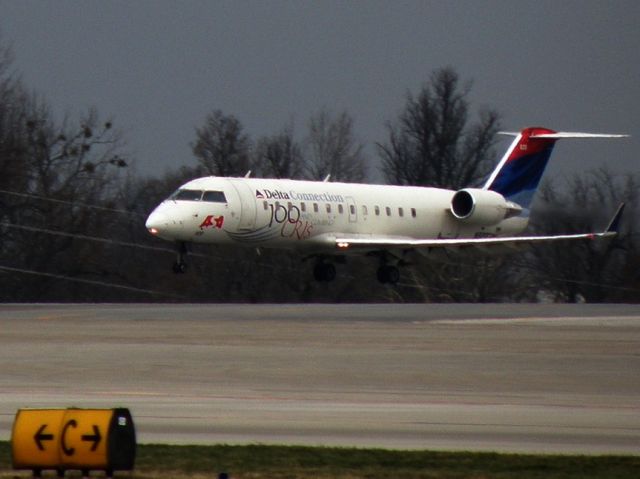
{"points": [[519, 172]]}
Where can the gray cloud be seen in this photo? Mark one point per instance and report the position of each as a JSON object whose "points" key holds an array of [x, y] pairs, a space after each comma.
{"points": [[160, 66]]}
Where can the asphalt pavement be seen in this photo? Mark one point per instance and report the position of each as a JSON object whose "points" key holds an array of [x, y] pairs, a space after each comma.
{"points": [[516, 378]]}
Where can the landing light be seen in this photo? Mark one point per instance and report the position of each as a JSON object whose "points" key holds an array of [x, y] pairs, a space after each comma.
{"points": [[343, 245], [153, 231]]}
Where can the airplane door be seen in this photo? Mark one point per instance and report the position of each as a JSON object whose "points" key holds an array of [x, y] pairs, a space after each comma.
{"points": [[353, 210], [247, 204]]}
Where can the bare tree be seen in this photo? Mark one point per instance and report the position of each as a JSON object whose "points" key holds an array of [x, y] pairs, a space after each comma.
{"points": [[280, 156], [433, 144], [333, 150], [222, 147], [48, 172], [589, 270], [13, 124]]}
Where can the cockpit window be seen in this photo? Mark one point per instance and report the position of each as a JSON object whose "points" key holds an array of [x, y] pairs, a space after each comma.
{"points": [[214, 196], [187, 195]]}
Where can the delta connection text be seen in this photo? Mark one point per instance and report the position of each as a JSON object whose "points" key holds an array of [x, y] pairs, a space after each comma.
{"points": [[294, 195]]}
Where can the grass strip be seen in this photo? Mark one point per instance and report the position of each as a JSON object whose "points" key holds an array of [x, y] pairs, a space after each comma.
{"points": [[283, 462]]}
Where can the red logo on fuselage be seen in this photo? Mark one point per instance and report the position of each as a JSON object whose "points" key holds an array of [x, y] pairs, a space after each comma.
{"points": [[210, 221]]}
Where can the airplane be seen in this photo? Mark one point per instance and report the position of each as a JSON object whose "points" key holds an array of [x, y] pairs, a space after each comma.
{"points": [[329, 221]]}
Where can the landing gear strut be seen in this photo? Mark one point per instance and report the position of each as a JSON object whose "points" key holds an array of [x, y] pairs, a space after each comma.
{"points": [[180, 266], [324, 271]]}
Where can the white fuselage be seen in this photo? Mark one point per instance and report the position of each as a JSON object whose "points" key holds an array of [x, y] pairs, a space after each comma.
{"points": [[310, 215]]}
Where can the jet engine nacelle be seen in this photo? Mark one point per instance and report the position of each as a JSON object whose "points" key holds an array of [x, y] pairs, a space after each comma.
{"points": [[481, 207]]}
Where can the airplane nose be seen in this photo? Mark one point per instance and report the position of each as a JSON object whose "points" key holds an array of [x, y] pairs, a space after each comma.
{"points": [[156, 222]]}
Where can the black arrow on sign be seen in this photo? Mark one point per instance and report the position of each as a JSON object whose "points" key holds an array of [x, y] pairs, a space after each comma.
{"points": [[41, 436], [95, 438]]}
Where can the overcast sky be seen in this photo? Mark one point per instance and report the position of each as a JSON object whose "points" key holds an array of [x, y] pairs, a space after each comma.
{"points": [[158, 67]]}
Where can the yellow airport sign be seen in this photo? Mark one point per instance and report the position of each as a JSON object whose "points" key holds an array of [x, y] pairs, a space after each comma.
{"points": [[83, 438], [35, 438], [62, 439]]}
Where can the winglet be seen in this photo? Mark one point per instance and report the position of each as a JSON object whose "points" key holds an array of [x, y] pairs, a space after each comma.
{"points": [[614, 224]]}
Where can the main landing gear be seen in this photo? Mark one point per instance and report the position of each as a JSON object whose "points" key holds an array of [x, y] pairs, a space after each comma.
{"points": [[180, 266], [324, 271], [388, 272]]}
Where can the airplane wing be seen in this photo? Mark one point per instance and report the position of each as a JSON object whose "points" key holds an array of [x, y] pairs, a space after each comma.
{"points": [[514, 242]]}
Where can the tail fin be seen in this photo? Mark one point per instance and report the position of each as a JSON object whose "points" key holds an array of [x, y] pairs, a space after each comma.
{"points": [[519, 172]]}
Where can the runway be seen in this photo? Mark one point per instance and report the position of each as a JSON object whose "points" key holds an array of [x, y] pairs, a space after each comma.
{"points": [[516, 378]]}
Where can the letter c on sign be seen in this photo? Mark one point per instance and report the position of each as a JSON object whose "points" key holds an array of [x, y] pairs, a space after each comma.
{"points": [[68, 451]]}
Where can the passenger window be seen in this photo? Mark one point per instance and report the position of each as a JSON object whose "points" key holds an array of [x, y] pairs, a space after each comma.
{"points": [[340, 209], [413, 212], [328, 208], [364, 210], [400, 212], [388, 210], [352, 209], [315, 207], [214, 197], [266, 205], [303, 207], [289, 206], [377, 210]]}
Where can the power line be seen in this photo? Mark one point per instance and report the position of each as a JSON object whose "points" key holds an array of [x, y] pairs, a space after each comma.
{"points": [[73, 203], [89, 281], [85, 237], [122, 243], [168, 250], [470, 294], [592, 283]]}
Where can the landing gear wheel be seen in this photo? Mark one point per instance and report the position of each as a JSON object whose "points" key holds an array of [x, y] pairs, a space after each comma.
{"points": [[324, 272], [329, 272], [179, 267], [388, 274]]}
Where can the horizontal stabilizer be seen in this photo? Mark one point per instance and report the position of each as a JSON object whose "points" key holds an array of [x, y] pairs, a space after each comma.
{"points": [[568, 134]]}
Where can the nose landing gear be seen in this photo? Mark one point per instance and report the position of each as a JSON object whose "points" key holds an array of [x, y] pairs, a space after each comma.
{"points": [[180, 266]]}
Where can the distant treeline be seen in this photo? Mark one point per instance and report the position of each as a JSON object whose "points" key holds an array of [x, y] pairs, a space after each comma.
{"points": [[72, 211]]}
